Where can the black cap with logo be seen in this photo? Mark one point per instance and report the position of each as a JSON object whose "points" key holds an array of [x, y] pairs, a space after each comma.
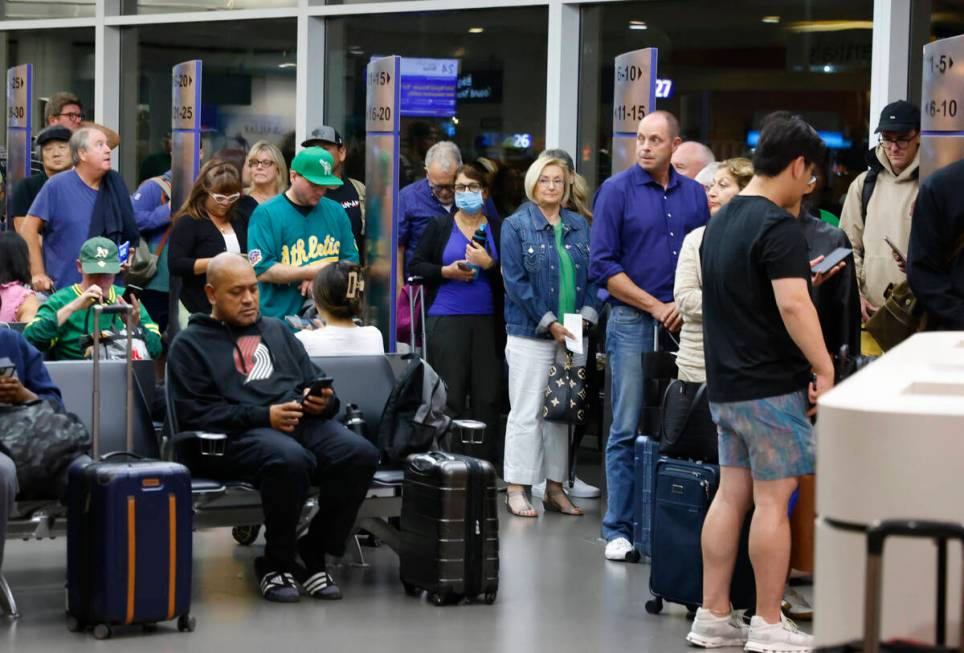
{"points": [[900, 116], [323, 135]]}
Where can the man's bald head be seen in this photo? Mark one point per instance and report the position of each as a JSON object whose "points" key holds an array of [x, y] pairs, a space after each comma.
{"points": [[232, 289], [691, 157], [657, 137]]}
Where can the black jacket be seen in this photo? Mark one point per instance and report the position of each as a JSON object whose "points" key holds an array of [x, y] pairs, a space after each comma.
{"points": [[224, 378], [935, 275], [838, 299], [427, 263], [193, 239]]}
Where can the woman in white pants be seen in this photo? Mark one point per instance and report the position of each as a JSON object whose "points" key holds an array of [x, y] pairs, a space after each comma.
{"points": [[545, 268]]}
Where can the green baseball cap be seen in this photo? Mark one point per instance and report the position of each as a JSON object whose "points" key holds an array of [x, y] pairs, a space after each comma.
{"points": [[316, 165], [99, 256]]}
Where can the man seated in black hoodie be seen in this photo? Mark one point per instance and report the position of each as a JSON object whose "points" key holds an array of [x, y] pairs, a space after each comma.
{"points": [[235, 372]]}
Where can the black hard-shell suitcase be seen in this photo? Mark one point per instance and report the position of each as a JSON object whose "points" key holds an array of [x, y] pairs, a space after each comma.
{"points": [[450, 531], [129, 532], [682, 496], [877, 534]]}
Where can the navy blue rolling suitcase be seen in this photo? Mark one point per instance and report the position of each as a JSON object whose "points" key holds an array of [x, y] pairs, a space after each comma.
{"points": [[682, 496], [129, 534], [646, 455]]}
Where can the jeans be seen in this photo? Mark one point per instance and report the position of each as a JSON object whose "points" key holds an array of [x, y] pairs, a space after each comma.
{"points": [[629, 333], [283, 467]]}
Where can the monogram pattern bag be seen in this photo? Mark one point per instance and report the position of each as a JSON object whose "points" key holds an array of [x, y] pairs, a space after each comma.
{"points": [[565, 394]]}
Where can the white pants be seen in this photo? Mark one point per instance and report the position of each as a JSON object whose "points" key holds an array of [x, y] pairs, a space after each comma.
{"points": [[534, 450]]}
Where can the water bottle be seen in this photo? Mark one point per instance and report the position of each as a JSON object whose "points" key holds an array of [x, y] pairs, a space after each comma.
{"points": [[355, 420], [480, 237]]}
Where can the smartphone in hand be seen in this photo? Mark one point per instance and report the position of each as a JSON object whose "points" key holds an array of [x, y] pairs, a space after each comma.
{"points": [[465, 267], [318, 385], [899, 254], [831, 260]]}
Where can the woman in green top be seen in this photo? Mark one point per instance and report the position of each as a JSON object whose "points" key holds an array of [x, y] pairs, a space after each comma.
{"points": [[545, 267]]}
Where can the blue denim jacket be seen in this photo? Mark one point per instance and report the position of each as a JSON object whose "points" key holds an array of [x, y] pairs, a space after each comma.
{"points": [[530, 270]]}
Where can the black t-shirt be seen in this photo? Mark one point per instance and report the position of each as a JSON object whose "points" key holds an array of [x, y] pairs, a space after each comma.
{"points": [[24, 193], [300, 208], [347, 196], [749, 354]]}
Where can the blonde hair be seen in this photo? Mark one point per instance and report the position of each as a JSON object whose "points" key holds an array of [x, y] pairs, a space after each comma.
{"points": [[579, 202], [535, 171], [281, 181], [740, 169]]}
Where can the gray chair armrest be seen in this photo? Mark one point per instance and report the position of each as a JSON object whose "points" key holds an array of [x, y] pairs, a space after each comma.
{"points": [[210, 444]]}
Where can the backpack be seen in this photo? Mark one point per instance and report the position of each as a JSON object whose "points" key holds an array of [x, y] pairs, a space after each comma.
{"points": [[870, 182], [414, 417]]}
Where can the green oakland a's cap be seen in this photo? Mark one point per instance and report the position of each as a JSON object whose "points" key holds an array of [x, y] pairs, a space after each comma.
{"points": [[99, 256], [316, 165]]}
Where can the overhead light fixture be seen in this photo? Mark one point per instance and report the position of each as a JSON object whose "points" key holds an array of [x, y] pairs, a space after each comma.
{"points": [[828, 68], [829, 25], [476, 30], [638, 24], [287, 64], [770, 20]]}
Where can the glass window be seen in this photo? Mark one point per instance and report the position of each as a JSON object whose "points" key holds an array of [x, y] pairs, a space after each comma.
{"points": [[247, 89], [27, 9], [178, 6], [729, 64], [499, 91], [63, 60]]}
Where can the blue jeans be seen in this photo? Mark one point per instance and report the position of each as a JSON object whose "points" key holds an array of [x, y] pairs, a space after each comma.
{"points": [[629, 333]]}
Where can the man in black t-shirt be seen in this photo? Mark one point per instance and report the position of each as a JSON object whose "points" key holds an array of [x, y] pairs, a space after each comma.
{"points": [[54, 143], [351, 195], [762, 339]]}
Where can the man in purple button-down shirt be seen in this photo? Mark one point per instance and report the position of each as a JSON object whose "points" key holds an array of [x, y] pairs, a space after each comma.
{"points": [[640, 218]]}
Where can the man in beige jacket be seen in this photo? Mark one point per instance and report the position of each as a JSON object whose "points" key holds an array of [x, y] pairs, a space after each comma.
{"points": [[880, 202]]}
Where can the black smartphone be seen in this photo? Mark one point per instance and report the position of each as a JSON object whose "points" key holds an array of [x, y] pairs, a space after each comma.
{"points": [[462, 265], [320, 384], [8, 371], [896, 250], [831, 260]]}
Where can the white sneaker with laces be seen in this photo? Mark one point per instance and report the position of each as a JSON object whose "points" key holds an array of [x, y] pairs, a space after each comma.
{"points": [[620, 550], [579, 489], [711, 631], [783, 637]]}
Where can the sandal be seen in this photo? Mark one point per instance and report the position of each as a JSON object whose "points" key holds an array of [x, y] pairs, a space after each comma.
{"points": [[526, 511], [552, 504]]}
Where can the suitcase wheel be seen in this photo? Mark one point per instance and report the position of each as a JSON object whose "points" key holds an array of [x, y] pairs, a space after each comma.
{"points": [[441, 599], [410, 589], [74, 625], [633, 556], [489, 597], [186, 623], [246, 535], [102, 631], [654, 606]]}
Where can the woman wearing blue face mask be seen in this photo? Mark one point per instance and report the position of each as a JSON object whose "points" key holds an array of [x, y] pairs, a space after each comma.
{"points": [[458, 260]]}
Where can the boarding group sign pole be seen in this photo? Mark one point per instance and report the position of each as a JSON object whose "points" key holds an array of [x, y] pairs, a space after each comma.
{"points": [[942, 107], [634, 96], [185, 152], [19, 125], [381, 197]]}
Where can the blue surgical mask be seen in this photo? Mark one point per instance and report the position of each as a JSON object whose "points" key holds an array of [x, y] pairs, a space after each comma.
{"points": [[469, 202]]}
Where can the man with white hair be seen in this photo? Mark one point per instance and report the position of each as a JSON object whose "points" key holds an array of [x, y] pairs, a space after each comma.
{"points": [[428, 198], [86, 201], [691, 157]]}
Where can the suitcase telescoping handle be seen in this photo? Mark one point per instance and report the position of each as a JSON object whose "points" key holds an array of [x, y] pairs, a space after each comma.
{"points": [[877, 534], [124, 310], [417, 295]]}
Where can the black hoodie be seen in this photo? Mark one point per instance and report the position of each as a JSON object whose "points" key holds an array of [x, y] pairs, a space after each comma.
{"points": [[225, 378]]}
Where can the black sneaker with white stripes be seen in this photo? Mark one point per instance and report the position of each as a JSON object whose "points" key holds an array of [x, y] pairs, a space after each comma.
{"points": [[276, 586], [321, 585]]}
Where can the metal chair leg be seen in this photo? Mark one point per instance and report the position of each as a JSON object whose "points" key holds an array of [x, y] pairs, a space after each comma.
{"points": [[7, 603]]}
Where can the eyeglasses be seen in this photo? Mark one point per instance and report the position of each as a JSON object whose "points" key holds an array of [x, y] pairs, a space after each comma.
{"points": [[73, 115], [442, 188], [545, 181], [899, 143], [224, 199], [471, 188], [262, 163]]}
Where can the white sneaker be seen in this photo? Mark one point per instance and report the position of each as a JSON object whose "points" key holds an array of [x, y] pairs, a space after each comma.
{"points": [[579, 490], [621, 550], [783, 637], [710, 631]]}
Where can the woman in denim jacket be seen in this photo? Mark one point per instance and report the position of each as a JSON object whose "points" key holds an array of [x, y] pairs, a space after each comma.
{"points": [[545, 266]]}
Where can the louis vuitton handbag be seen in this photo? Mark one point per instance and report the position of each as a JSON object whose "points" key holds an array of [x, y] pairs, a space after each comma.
{"points": [[566, 394]]}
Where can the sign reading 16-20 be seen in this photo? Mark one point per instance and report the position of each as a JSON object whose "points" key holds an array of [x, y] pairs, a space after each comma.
{"points": [[381, 102]]}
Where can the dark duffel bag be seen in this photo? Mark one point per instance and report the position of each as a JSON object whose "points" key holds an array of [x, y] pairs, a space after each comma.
{"points": [[687, 430]]}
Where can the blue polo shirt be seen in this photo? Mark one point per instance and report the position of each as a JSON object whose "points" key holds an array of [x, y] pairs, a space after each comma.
{"points": [[638, 228], [417, 206]]}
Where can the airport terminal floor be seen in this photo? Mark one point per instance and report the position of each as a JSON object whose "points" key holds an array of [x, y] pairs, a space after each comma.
{"points": [[557, 593]]}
